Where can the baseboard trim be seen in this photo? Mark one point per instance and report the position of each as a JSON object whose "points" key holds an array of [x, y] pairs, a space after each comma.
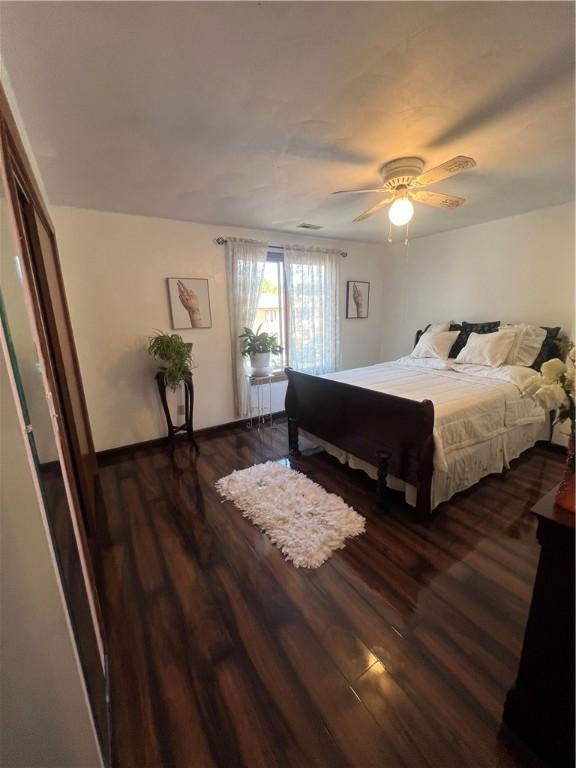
{"points": [[205, 431], [231, 424]]}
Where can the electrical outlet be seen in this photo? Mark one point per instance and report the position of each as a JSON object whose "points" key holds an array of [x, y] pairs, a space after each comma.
{"points": [[181, 410]]}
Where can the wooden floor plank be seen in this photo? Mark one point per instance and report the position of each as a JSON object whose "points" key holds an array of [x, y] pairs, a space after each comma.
{"points": [[396, 652], [277, 674]]}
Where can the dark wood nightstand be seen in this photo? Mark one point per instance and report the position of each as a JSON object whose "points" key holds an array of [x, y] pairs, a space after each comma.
{"points": [[540, 706]]}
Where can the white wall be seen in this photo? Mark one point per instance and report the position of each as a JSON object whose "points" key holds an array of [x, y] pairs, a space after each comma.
{"points": [[115, 268], [44, 716], [518, 268]]}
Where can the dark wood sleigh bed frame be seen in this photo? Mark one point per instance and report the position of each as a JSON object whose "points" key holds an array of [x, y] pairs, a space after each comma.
{"points": [[392, 433], [395, 436]]}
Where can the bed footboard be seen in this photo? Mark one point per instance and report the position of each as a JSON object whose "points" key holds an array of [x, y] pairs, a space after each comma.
{"points": [[392, 433]]}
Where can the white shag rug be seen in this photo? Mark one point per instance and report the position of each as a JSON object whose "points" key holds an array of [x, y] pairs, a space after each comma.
{"points": [[298, 515]]}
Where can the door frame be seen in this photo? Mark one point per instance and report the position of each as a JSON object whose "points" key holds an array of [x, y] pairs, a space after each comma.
{"points": [[20, 181], [17, 173]]}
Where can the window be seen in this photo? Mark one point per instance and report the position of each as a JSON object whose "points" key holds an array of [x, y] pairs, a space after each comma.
{"points": [[271, 311], [312, 290], [263, 283]]}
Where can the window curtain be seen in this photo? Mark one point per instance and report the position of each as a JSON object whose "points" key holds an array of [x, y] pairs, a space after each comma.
{"points": [[245, 262], [313, 292]]}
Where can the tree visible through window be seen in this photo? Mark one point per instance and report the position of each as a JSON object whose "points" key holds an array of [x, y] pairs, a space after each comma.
{"points": [[271, 307]]}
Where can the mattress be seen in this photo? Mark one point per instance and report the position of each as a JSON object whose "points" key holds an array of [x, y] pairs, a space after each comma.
{"points": [[481, 419]]}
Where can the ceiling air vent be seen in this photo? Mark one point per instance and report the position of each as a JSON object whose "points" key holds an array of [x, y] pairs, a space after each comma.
{"points": [[304, 225]]}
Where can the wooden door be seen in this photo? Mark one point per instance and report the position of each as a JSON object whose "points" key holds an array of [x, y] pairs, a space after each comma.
{"points": [[40, 256], [43, 256]]}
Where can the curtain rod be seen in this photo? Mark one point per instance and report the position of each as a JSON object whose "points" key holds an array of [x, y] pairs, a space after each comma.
{"points": [[223, 241]]}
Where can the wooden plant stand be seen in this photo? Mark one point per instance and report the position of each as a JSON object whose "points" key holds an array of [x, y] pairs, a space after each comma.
{"points": [[187, 427]]}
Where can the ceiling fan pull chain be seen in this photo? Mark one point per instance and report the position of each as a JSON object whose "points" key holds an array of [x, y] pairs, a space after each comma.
{"points": [[389, 231], [406, 237]]}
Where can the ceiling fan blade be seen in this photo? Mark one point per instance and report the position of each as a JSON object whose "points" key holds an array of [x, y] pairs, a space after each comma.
{"points": [[377, 207], [437, 199], [449, 168], [358, 191]]}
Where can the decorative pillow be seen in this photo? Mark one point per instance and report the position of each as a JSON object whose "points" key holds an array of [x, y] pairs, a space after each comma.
{"points": [[526, 345], [432, 327], [487, 348], [435, 344], [548, 348], [466, 329]]}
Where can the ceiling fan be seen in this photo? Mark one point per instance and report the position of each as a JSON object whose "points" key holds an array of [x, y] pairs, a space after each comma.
{"points": [[403, 180]]}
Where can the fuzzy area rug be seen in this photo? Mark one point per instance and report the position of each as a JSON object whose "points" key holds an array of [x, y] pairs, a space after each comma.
{"points": [[306, 522]]}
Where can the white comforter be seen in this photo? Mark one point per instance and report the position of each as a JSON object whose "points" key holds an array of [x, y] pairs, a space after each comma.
{"points": [[472, 403]]}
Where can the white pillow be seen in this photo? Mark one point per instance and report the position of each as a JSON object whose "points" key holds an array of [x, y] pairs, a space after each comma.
{"points": [[437, 327], [526, 345], [435, 344], [488, 348]]}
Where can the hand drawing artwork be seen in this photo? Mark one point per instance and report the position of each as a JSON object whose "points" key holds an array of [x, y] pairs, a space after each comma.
{"points": [[189, 302], [357, 299]]}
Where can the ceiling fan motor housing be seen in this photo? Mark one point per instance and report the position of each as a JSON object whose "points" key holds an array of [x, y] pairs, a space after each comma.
{"points": [[399, 173]]}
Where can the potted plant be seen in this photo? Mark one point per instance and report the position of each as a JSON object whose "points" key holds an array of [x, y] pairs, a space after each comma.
{"points": [[553, 389], [258, 347], [176, 356]]}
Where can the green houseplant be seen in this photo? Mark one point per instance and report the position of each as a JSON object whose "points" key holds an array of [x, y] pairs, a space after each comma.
{"points": [[175, 354], [258, 347]]}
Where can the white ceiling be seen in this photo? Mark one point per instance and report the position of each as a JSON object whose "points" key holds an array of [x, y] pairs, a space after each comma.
{"points": [[253, 113]]}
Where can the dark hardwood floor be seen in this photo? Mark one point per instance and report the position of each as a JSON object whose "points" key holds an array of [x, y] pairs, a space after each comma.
{"points": [[398, 651]]}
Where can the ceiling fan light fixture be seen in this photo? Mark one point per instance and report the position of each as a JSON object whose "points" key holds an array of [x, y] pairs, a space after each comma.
{"points": [[401, 212], [403, 179]]}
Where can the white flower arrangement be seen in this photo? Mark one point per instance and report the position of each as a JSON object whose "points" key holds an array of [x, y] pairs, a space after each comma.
{"points": [[553, 387]]}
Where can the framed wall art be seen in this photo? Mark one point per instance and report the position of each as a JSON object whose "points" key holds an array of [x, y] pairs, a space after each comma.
{"points": [[357, 299], [189, 302]]}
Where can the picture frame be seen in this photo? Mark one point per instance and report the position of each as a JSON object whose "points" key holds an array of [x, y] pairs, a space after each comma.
{"points": [[189, 299], [357, 299]]}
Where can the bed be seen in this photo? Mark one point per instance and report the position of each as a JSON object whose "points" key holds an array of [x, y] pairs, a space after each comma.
{"points": [[427, 427]]}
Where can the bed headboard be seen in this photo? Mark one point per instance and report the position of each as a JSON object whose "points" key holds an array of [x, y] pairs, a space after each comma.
{"points": [[560, 346]]}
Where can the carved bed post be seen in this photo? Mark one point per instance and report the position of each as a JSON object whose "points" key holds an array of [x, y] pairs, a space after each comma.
{"points": [[426, 469], [381, 484], [291, 405], [424, 497], [293, 443]]}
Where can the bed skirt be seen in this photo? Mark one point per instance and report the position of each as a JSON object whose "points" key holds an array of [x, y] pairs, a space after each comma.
{"points": [[465, 467]]}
